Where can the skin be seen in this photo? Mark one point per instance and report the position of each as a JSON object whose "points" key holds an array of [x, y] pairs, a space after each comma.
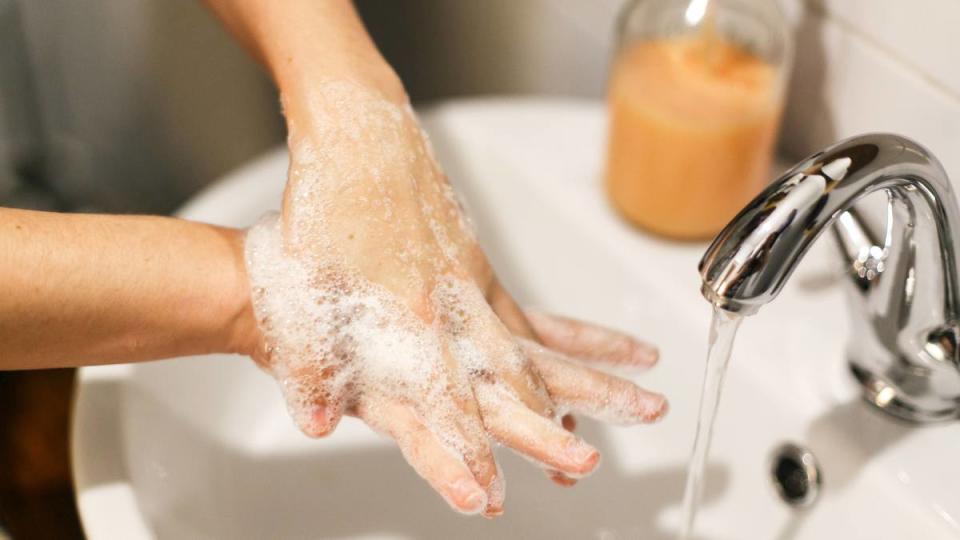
{"points": [[91, 289]]}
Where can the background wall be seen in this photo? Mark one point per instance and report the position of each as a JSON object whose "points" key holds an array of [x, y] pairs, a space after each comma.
{"points": [[138, 103], [459, 47], [877, 65], [861, 65], [133, 105]]}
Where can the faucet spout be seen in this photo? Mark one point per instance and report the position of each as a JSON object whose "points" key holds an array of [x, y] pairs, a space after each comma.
{"points": [[752, 258], [903, 282]]}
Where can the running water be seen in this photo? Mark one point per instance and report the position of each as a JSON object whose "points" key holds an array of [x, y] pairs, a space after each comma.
{"points": [[723, 328]]}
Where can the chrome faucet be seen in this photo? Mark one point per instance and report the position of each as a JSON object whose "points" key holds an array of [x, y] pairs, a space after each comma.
{"points": [[902, 286]]}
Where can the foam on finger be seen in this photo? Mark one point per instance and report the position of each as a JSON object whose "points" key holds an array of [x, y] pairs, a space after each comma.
{"points": [[338, 340], [600, 395], [591, 342]]}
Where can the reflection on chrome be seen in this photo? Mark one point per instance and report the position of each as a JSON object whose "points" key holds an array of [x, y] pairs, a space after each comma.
{"points": [[903, 290]]}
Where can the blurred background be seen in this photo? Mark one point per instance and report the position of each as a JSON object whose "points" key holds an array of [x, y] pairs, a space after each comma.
{"points": [[135, 105]]}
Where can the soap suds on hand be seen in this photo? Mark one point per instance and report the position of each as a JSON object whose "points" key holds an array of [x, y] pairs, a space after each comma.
{"points": [[342, 281], [365, 289]]}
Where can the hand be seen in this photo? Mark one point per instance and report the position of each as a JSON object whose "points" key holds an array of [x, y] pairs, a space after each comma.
{"points": [[374, 299]]}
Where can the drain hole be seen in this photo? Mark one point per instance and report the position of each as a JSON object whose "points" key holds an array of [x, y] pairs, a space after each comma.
{"points": [[796, 475], [793, 481]]}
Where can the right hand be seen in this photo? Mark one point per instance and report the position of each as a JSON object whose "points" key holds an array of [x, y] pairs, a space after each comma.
{"points": [[386, 308]]}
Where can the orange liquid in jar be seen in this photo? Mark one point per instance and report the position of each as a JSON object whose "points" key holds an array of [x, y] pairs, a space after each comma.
{"points": [[692, 128]]}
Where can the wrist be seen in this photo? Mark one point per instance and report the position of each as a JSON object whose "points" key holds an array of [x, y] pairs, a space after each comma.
{"points": [[325, 42], [239, 334], [305, 101]]}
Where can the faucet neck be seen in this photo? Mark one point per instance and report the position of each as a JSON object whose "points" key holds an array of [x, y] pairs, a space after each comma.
{"points": [[748, 263], [903, 289]]}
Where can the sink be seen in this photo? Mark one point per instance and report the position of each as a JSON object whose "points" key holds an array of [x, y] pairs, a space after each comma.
{"points": [[203, 447]]}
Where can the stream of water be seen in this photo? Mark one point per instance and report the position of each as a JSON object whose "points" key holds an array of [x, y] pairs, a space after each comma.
{"points": [[723, 329]]}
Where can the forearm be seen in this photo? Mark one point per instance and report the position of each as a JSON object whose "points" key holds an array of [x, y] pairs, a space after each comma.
{"points": [[303, 42], [91, 289], [332, 79]]}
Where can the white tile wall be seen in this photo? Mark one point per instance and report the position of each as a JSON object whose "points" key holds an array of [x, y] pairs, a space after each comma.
{"points": [[893, 69], [861, 65], [922, 34]]}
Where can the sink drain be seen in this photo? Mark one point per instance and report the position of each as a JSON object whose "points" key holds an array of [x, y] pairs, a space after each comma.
{"points": [[796, 475]]}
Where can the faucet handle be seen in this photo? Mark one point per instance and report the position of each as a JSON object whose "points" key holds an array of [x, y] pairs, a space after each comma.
{"points": [[863, 253], [942, 346]]}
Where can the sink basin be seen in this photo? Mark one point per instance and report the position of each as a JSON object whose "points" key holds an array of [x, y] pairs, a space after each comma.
{"points": [[203, 448]]}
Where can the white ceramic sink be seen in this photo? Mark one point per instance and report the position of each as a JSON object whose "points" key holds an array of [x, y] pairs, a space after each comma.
{"points": [[203, 448]]}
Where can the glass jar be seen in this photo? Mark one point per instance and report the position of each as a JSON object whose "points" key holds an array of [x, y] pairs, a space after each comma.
{"points": [[695, 98]]}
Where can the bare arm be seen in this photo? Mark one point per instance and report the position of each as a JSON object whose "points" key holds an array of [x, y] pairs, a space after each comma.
{"points": [[372, 299], [370, 216], [304, 41], [82, 289]]}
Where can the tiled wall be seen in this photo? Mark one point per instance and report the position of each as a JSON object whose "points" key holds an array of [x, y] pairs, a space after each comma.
{"points": [[876, 65]]}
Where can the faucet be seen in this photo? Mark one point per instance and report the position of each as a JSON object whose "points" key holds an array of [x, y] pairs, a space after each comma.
{"points": [[902, 285]]}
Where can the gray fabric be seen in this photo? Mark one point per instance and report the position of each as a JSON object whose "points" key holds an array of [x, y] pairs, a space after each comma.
{"points": [[141, 102]]}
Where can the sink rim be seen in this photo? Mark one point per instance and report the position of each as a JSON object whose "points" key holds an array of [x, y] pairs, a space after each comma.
{"points": [[111, 510], [106, 509]]}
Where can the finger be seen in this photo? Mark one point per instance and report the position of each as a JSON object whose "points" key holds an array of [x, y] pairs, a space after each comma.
{"points": [[510, 313], [324, 416], [516, 321], [486, 471], [561, 479], [526, 382], [592, 392], [315, 417], [478, 337], [591, 342], [512, 424], [446, 473], [315, 400], [458, 423], [569, 423]]}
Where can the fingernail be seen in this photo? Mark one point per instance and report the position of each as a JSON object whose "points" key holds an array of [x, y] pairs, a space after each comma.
{"points": [[582, 456], [561, 479], [495, 494], [491, 513], [475, 502], [657, 408], [321, 415], [645, 354], [323, 421], [470, 498]]}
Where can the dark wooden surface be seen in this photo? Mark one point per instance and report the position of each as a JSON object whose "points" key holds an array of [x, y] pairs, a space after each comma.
{"points": [[36, 490]]}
